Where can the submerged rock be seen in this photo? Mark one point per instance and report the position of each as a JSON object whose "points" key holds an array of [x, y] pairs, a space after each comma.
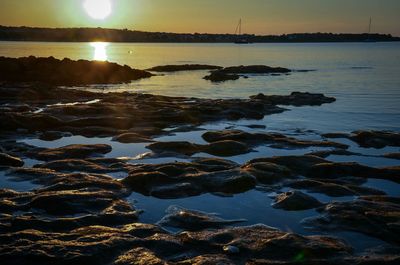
{"points": [[220, 148], [191, 220], [221, 77], [73, 151], [184, 67], [10, 161], [66, 72], [295, 201], [277, 140], [131, 138], [268, 173], [254, 69], [367, 139], [296, 99], [377, 216], [376, 139], [333, 188], [177, 180]]}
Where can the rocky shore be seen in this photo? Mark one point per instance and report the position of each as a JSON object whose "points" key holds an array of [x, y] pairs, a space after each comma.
{"points": [[78, 213]]}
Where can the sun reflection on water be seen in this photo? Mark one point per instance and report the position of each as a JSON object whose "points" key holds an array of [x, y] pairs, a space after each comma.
{"points": [[100, 51]]}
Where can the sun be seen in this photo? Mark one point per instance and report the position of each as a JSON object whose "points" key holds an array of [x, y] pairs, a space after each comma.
{"points": [[98, 9]]}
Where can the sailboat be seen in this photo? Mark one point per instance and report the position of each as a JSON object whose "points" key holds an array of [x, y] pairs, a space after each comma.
{"points": [[369, 32], [240, 38]]}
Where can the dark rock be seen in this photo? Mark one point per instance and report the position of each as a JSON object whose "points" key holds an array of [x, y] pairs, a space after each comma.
{"points": [[10, 161], [191, 220], [375, 139], [220, 148], [268, 173], [335, 135], [374, 216], [221, 77], [51, 135], [256, 126], [131, 138], [295, 201], [254, 139], [254, 69], [392, 155], [296, 99], [73, 165], [73, 151], [176, 180], [260, 241], [185, 148], [332, 188], [226, 148], [184, 67], [66, 72]]}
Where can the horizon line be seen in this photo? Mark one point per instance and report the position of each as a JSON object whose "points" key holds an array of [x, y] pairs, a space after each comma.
{"points": [[201, 33]]}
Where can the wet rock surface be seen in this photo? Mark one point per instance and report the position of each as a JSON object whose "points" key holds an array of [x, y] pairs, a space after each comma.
{"points": [[295, 201], [66, 71], [78, 214], [377, 216], [375, 139], [10, 161], [191, 220], [177, 180], [114, 114], [221, 148], [73, 151]]}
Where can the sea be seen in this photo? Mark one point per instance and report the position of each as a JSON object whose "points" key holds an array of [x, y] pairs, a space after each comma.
{"points": [[363, 77]]}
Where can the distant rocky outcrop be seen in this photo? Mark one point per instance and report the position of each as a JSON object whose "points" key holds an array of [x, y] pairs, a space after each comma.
{"points": [[66, 72], [235, 72], [184, 67]]}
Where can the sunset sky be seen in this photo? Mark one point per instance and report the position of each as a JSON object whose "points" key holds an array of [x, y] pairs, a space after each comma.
{"points": [[213, 16]]}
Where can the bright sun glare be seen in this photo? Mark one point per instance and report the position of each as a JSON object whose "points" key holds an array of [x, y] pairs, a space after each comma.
{"points": [[98, 9], [100, 51]]}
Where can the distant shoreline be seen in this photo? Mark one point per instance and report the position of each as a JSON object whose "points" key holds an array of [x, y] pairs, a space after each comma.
{"points": [[129, 36]]}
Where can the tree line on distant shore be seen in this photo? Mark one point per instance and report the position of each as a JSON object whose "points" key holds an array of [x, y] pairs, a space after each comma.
{"points": [[125, 35]]}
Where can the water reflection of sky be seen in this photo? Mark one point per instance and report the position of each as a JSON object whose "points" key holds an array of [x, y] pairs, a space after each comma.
{"points": [[100, 51]]}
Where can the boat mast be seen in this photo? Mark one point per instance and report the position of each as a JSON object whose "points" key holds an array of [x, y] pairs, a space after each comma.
{"points": [[370, 23], [239, 28]]}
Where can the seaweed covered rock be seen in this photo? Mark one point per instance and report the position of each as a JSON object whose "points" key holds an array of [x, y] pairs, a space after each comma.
{"points": [[66, 72]]}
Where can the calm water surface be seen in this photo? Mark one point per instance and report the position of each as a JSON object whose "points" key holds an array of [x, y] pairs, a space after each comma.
{"points": [[364, 77]]}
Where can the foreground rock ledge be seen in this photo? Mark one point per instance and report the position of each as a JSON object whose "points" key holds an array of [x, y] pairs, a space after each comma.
{"points": [[35, 108]]}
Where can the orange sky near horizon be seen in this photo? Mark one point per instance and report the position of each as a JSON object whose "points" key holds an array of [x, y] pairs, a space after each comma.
{"points": [[212, 16]]}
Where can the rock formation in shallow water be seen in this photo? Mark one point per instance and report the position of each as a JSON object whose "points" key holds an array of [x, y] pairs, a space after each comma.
{"points": [[183, 67], [66, 72]]}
